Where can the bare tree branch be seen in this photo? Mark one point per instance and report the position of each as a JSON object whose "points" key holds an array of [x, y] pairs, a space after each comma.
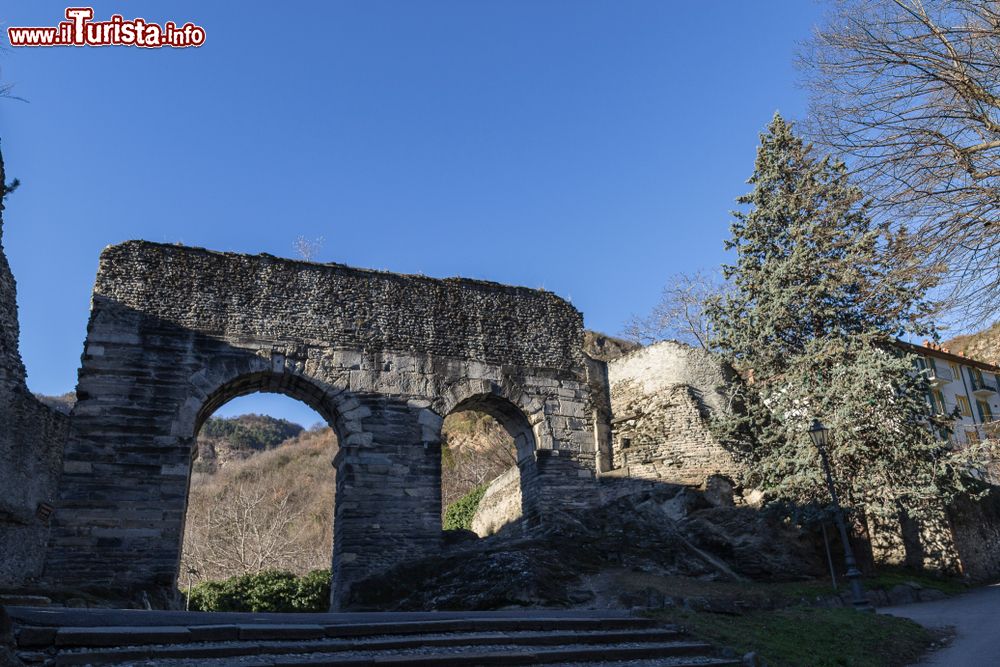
{"points": [[679, 315], [908, 91]]}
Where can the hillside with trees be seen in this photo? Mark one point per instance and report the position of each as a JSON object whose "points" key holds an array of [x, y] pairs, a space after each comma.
{"points": [[223, 440], [983, 345]]}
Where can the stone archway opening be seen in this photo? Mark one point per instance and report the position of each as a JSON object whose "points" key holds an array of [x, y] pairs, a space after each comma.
{"points": [[487, 466], [262, 486]]}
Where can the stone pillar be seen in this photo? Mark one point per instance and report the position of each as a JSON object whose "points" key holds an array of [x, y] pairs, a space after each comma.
{"points": [[388, 500]]}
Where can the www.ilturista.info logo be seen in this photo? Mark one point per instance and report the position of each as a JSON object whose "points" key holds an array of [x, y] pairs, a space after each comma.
{"points": [[81, 30]]}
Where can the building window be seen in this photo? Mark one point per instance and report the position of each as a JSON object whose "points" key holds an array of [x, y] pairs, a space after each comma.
{"points": [[964, 407], [985, 414], [956, 370], [972, 436], [937, 401]]}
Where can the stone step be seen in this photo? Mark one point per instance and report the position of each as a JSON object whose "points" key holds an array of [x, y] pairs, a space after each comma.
{"points": [[679, 653], [52, 637], [227, 649], [136, 635]]}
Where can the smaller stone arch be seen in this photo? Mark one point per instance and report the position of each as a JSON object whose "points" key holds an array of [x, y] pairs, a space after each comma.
{"points": [[524, 427], [507, 405]]}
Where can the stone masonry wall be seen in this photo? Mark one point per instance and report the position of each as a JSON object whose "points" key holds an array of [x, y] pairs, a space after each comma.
{"points": [[976, 533], [176, 332], [661, 398], [31, 438]]}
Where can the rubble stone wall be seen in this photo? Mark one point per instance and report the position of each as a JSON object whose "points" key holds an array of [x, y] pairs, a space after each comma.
{"points": [[661, 399], [976, 532]]}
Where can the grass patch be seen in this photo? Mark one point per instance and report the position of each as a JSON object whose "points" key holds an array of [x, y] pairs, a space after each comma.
{"points": [[811, 636], [767, 595], [889, 577], [885, 579]]}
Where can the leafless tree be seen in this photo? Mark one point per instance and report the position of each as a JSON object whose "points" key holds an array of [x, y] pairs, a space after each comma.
{"points": [[679, 314], [245, 528], [908, 91], [308, 249]]}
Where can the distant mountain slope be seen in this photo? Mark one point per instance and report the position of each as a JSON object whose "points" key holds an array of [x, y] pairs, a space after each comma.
{"points": [[63, 403], [226, 439], [982, 346]]}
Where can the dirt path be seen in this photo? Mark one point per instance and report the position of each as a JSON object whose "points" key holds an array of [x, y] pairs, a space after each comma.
{"points": [[974, 617]]}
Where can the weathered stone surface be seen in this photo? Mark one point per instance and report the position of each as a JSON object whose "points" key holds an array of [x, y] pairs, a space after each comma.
{"points": [[976, 530], [661, 399], [176, 332]]}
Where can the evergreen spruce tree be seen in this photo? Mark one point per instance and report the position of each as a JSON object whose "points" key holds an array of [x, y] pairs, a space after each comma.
{"points": [[810, 321]]}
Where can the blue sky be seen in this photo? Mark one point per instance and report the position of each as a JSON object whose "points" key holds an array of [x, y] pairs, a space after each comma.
{"points": [[591, 148]]}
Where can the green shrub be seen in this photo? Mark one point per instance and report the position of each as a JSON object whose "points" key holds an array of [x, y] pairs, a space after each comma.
{"points": [[271, 590], [313, 592], [458, 515]]}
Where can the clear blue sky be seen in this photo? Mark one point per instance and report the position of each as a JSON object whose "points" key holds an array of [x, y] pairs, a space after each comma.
{"points": [[591, 148]]}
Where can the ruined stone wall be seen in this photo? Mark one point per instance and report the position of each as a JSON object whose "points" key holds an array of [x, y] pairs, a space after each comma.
{"points": [[661, 399], [31, 438], [176, 332], [500, 505], [976, 533], [11, 368], [964, 539]]}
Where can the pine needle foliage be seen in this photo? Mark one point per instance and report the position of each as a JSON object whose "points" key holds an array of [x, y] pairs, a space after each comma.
{"points": [[813, 308]]}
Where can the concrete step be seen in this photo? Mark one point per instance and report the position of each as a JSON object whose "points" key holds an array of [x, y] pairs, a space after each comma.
{"points": [[226, 649]]}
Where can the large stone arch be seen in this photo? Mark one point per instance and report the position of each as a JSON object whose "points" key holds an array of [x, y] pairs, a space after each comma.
{"points": [[176, 331], [220, 382]]}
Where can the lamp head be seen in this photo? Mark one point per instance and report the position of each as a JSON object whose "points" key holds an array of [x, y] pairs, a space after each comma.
{"points": [[820, 434]]}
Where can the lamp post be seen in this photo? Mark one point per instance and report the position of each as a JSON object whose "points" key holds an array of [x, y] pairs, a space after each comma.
{"points": [[820, 436]]}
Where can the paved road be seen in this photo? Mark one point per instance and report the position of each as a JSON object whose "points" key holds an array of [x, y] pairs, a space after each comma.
{"points": [[973, 615]]}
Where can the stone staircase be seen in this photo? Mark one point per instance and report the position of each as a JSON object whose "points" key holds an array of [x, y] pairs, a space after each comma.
{"points": [[59, 636]]}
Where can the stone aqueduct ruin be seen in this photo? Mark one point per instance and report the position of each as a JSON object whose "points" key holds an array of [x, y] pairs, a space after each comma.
{"points": [[96, 500], [175, 332]]}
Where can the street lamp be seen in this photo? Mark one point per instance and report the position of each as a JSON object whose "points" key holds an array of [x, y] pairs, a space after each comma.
{"points": [[820, 436]]}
